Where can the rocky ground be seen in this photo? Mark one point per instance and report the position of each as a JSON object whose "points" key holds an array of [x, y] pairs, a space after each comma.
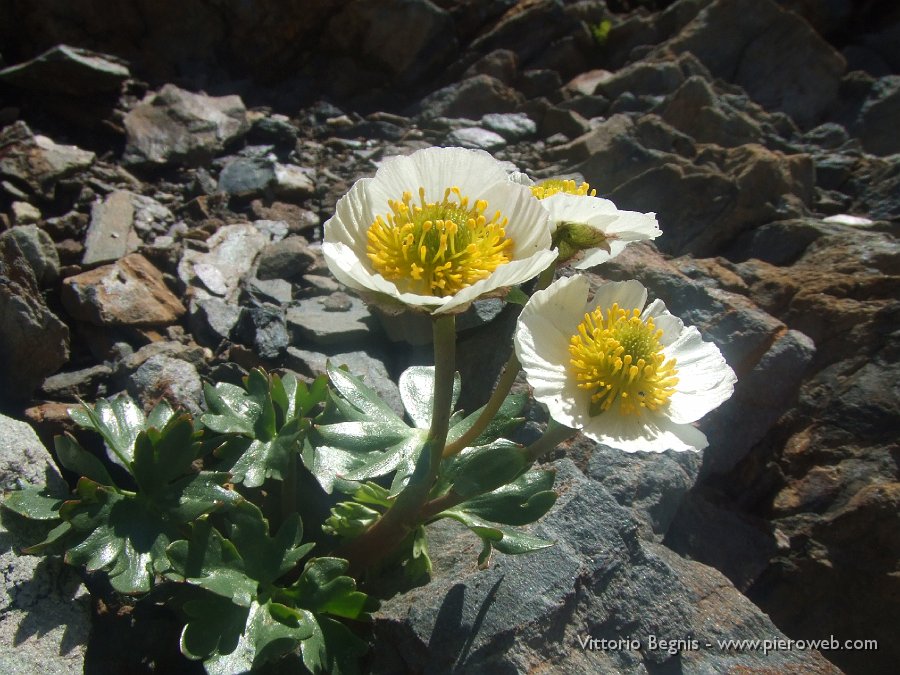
{"points": [[161, 215]]}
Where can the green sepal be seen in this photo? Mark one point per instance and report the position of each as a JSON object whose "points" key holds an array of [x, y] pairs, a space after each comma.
{"points": [[517, 296]]}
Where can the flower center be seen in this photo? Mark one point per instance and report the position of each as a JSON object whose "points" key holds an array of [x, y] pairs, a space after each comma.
{"points": [[619, 360], [546, 188], [437, 248]]}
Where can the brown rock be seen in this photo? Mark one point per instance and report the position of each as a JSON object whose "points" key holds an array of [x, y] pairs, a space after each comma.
{"points": [[130, 292]]}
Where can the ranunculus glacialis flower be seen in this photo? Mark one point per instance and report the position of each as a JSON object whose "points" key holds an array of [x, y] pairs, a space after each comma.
{"points": [[627, 375], [581, 221], [436, 230]]}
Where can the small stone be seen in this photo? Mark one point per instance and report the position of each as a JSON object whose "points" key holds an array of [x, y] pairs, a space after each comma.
{"points": [[273, 291], [247, 177], [286, 259], [166, 378], [75, 384], [337, 302], [111, 234], [211, 320], [512, 126], [309, 320], [130, 292], [37, 246], [264, 329], [294, 182], [477, 138], [24, 213]]}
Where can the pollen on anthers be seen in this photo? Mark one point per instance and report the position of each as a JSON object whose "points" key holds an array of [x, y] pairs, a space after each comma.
{"points": [[437, 248], [552, 186], [618, 358]]}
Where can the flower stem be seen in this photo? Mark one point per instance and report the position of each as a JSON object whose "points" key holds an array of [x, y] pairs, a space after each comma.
{"points": [[404, 516], [554, 434], [504, 384]]}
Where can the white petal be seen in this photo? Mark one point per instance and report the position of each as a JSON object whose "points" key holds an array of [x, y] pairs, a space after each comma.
{"points": [[628, 294], [705, 380], [435, 169], [669, 324], [529, 224], [510, 274], [597, 256], [520, 178], [645, 433]]}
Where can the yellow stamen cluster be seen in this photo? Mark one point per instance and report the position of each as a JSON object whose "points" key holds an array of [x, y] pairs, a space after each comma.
{"points": [[554, 186], [619, 360], [437, 248]]}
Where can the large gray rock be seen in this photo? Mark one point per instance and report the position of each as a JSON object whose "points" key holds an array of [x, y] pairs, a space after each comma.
{"points": [[46, 614], [229, 255], [163, 377], [177, 126], [111, 234], [877, 121], [37, 247], [336, 319], [552, 610], [69, 70], [34, 343], [774, 54], [471, 98]]}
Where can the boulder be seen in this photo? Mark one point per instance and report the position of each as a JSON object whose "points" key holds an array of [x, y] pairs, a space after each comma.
{"points": [[69, 70], [36, 162]]}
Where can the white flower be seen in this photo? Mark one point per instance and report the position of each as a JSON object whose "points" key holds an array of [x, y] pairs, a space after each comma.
{"points": [[575, 205], [629, 376], [437, 229]]}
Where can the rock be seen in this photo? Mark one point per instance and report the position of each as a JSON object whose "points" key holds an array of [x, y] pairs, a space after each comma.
{"points": [[760, 398], [651, 485], [37, 247], [561, 121], [298, 219], [512, 126], [641, 78], [244, 177], [526, 29], [69, 70], [24, 213], [471, 98], [773, 54], [599, 581], [369, 31], [230, 255], [36, 162], [294, 182], [585, 84], [211, 320], [166, 378], [111, 234], [475, 137], [372, 371], [177, 126], [33, 342], [264, 328], [287, 259], [536, 82], [275, 129], [501, 64], [311, 320], [878, 115], [86, 384], [130, 292], [271, 291], [46, 610]]}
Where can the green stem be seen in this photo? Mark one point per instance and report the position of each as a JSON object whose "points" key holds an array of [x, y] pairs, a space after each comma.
{"points": [[404, 516], [504, 384], [554, 434]]}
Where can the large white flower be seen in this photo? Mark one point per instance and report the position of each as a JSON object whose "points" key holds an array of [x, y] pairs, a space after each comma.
{"points": [[437, 229], [629, 376], [589, 223]]}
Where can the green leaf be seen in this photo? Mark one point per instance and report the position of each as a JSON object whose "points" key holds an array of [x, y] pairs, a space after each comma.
{"points": [[362, 397], [332, 648], [507, 420], [417, 393], [329, 466], [349, 519], [257, 383], [294, 398], [117, 534], [79, 461], [265, 558], [270, 459], [162, 455], [504, 539], [517, 296], [323, 588], [197, 494], [51, 541], [232, 410], [215, 625], [34, 503], [363, 436], [211, 562], [418, 566], [479, 470], [521, 502], [118, 420], [160, 415]]}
